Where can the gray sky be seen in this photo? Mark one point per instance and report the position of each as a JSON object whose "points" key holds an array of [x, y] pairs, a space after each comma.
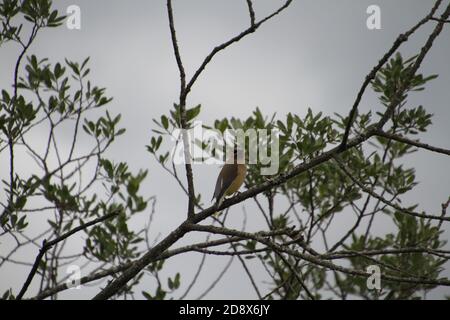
{"points": [[315, 54]]}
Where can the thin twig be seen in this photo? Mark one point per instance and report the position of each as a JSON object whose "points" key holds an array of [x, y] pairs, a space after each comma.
{"points": [[182, 109], [440, 20], [397, 98], [412, 142], [346, 170], [216, 281], [251, 12]]}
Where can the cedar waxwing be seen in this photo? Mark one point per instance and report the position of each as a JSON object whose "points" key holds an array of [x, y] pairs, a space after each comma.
{"points": [[231, 177]]}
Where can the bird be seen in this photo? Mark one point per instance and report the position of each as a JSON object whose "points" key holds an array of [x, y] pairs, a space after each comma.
{"points": [[231, 177]]}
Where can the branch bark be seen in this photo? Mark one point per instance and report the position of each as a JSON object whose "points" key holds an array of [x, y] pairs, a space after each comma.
{"points": [[182, 106], [417, 144]]}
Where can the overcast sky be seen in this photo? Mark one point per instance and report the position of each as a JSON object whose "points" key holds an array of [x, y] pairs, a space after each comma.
{"points": [[315, 54]]}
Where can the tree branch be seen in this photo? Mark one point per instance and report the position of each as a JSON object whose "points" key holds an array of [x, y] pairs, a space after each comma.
{"points": [[47, 245], [8, 131], [445, 254], [189, 225], [440, 20], [314, 259], [216, 281], [182, 106], [251, 12], [423, 52], [224, 45], [412, 142], [346, 170], [400, 39]]}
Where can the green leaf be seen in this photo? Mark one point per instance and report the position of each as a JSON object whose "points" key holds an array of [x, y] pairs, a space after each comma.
{"points": [[191, 114], [147, 296], [5, 96], [165, 122]]}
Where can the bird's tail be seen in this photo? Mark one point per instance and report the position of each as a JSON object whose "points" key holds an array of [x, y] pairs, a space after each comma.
{"points": [[217, 204]]}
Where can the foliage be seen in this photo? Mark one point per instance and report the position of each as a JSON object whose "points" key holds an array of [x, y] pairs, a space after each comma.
{"points": [[71, 186], [326, 194]]}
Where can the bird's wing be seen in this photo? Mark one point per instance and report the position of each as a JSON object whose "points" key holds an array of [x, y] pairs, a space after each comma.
{"points": [[225, 179], [218, 185]]}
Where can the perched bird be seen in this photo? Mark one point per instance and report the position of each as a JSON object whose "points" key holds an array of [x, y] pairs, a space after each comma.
{"points": [[231, 177]]}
